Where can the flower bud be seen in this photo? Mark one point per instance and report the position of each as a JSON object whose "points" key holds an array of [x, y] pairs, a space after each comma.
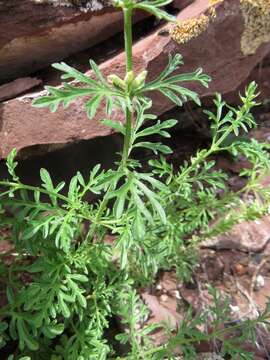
{"points": [[129, 77], [116, 81], [140, 79]]}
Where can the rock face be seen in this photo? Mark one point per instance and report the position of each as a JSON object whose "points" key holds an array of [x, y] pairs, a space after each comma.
{"points": [[249, 236], [52, 32], [17, 87], [216, 48]]}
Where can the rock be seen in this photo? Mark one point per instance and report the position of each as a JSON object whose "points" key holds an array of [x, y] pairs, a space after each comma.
{"points": [[240, 269], [53, 33], [17, 87], [163, 306], [161, 311], [259, 283], [249, 236], [162, 303], [217, 49], [181, 4]]}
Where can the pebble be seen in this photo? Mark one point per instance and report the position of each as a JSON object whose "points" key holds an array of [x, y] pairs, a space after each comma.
{"points": [[164, 297], [240, 269], [259, 283]]}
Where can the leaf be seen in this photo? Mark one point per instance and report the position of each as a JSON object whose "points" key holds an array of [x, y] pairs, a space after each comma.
{"points": [[80, 178], [140, 204], [97, 72], [153, 8], [154, 182], [119, 206], [172, 96], [109, 105], [157, 129], [79, 277], [152, 198], [12, 164], [53, 330], [92, 105], [114, 125], [82, 300], [46, 178], [73, 188], [71, 73], [63, 306], [138, 226], [169, 85], [10, 295], [25, 337], [155, 147]]}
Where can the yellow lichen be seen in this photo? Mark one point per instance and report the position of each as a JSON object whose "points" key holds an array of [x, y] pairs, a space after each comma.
{"points": [[256, 15], [212, 12], [189, 29], [215, 2]]}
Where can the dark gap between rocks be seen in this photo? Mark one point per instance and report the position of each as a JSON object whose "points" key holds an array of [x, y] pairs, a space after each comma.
{"points": [[64, 160]]}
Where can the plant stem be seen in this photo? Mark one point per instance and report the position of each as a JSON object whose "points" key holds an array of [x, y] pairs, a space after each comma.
{"points": [[128, 37], [128, 51], [17, 186], [127, 137]]}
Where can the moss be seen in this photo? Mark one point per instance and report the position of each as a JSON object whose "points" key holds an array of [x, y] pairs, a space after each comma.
{"points": [[256, 15]]}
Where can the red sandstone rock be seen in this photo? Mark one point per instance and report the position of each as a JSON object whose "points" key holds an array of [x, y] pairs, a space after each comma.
{"points": [[17, 87], [250, 236], [217, 50], [34, 34]]}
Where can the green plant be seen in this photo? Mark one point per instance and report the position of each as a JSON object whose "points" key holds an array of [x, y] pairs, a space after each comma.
{"points": [[230, 336], [62, 285]]}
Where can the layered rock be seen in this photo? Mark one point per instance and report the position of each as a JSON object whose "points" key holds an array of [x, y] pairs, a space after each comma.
{"points": [[18, 87], [34, 33], [215, 47]]}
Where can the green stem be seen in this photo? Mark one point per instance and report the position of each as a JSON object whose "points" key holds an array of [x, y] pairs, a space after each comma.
{"points": [[128, 51], [17, 186], [128, 37], [127, 137]]}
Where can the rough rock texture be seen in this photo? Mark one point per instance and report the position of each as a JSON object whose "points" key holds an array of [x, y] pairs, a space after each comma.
{"points": [[17, 87], [52, 33], [252, 236], [217, 49]]}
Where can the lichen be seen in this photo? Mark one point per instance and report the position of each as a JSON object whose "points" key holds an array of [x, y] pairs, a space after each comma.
{"points": [[189, 29], [215, 2], [256, 14], [186, 30], [83, 5]]}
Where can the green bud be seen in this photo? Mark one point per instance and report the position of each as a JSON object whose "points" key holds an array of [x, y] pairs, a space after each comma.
{"points": [[140, 79], [116, 81], [129, 77]]}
